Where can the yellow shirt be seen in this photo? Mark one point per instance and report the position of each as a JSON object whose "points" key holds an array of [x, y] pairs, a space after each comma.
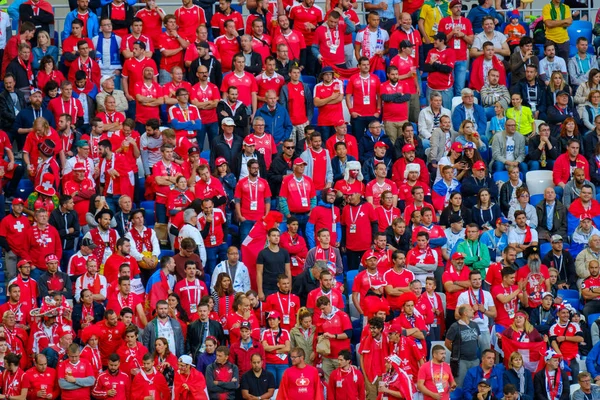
{"points": [[431, 14], [523, 118], [558, 34]]}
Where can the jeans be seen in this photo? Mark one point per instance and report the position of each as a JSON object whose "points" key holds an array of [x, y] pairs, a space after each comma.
{"points": [[164, 77], [535, 166], [66, 256], [446, 96], [360, 125], [113, 202], [277, 370], [211, 129], [326, 132], [160, 211], [460, 76], [559, 192], [498, 166], [130, 113], [245, 229], [36, 273], [489, 113], [215, 255], [302, 221]]}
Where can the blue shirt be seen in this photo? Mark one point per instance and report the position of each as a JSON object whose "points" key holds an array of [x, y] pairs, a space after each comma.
{"points": [[549, 213], [389, 13]]}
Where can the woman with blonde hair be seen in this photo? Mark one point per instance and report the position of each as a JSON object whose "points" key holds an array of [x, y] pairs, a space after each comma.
{"points": [[518, 375], [583, 90], [44, 48], [303, 333], [557, 83], [467, 133], [521, 329]]}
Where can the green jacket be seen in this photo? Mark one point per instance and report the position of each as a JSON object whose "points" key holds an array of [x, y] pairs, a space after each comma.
{"points": [[477, 256]]}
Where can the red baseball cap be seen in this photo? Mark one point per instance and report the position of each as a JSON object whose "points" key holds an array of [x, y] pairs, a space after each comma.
{"points": [[299, 161], [458, 256], [64, 330], [17, 201], [79, 167], [381, 144], [249, 141], [23, 262], [479, 165], [408, 147], [457, 147], [51, 258], [220, 161], [273, 315]]}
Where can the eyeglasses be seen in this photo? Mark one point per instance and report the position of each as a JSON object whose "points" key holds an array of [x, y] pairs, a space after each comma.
{"points": [[525, 195], [511, 125], [294, 357], [288, 147], [259, 125]]}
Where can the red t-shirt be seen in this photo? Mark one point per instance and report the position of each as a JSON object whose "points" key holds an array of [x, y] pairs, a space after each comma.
{"points": [[447, 25], [591, 283], [166, 42], [245, 83], [364, 94], [210, 93], [319, 168], [273, 339], [331, 44], [351, 145], [266, 83], [364, 281], [285, 304], [394, 112], [128, 41], [133, 69], [144, 113], [374, 189], [188, 20], [297, 103], [441, 80], [83, 369], [397, 280], [385, 217], [358, 217], [412, 36], [152, 23], [266, 146], [293, 40], [218, 20], [57, 106], [337, 324], [330, 114], [262, 46], [298, 193], [433, 374], [215, 235], [506, 312], [227, 49], [300, 15], [536, 283], [451, 275], [252, 197]]}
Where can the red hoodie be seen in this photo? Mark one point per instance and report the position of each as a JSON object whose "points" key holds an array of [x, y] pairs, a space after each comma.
{"points": [[562, 168]]}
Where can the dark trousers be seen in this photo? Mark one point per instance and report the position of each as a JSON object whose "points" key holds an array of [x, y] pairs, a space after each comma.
{"points": [[302, 221], [591, 307], [562, 49], [360, 125], [354, 259]]}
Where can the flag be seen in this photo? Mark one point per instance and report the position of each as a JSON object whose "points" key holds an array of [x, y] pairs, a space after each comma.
{"points": [[532, 353], [377, 63]]}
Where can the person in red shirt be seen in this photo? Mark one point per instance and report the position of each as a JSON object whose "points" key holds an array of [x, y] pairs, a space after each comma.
{"points": [[189, 17], [244, 82], [85, 63], [440, 66], [205, 96], [360, 222], [261, 42], [111, 118], [375, 189], [116, 178], [75, 376], [172, 48], [265, 144], [456, 281], [13, 233], [29, 287], [295, 245], [110, 333], [298, 196], [373, 351], [112, 383], [284, 303], [565, 337], [328, 96], [228, 45], [346, 381], [336, 326], [536, 275], [341, 135], [318, 163], [226, 13], [136, 35], [42, 379], [268, 80], [152, 18], [307, 17], [397, 280], [133, 72], [409, 157], [326, 288], [125, 298], [369, 279], [363, 98], [394, 96], [329, 41], [405, 31], [149, 382], [69, 44], [252, 199], [507, 296], [292, 38], [148, 96], [212, 222], [165, 173], [302, 380], [43, 240], [15, 383], [66, 104], [276, 342]]}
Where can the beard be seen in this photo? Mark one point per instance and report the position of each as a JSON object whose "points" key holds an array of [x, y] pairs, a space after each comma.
{"points": [[534, 266]]}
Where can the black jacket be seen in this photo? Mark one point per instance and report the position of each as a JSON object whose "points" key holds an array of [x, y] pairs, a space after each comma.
{"points": [[368, 168], [534, 153], [20, 73], [215, 73], [240, 117], [559, 220], [236, 165], [7, 109], [195, 334], [506, 191], [566, 271], [540, 389], [277, 171], [43, 284], [303, 284], [62, 223], [338, 169], [464, 212], [522, 88], [471, 186], [555, 118], [122, 223], [543, 326], [255, 66], [78, 314], [220, 148], [590, 140], [118, 23], [402, 244], [42, 21]]}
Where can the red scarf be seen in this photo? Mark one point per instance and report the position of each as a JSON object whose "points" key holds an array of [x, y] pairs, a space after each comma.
{"points": [[27, 67], [40, 5], [87, 68], [12, 382], [142, 241], [101, 246], [528, 236], [320, 255]]}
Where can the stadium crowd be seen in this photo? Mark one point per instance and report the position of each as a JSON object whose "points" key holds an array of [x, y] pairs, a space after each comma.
{"points": [[289, 204]]}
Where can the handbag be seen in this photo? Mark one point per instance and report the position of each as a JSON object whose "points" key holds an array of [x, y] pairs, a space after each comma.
{"points": [[323, 346]]}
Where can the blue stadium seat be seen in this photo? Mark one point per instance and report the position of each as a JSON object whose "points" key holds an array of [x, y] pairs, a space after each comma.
{"points": [[205, 154], [309, 80], [150, 218], [575, 303], [545, 248], [237, 7], [568, 293], [591, 318], [350, 275], [500, 176], [24, 189], [381, 75], [141, 189], [535, 199], [164, 253], [315, 116]]}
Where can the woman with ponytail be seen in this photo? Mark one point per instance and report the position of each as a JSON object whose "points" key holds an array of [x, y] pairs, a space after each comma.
{"points": [[276, 342], [303, 334]]}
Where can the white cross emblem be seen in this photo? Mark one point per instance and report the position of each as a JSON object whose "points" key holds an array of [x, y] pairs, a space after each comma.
{"points": [[19, 226], [47, 185]]}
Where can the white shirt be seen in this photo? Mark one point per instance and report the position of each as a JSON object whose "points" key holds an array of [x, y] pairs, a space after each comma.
{"points": [[192, 232], [510, 148], [136, 254], [4, 27], [488, 301]]}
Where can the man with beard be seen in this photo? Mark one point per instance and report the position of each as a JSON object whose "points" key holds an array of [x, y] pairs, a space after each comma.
{"points": [[494, 273], [585, 203], [522, 236], [150, 383], [13, 234], [413, 325], [456, 280], [124, 298], [395, 97], [482, 303], [327, 288], [563, 262], [404, 347], [590, 289], [161, 283], [42, 378], [148, 95], [552, 382], [112, 383], [207, 60], [163, 326], [116, 178], [105, 238], [43, 240], [409, 157], [507, 296], [121, 255], [205, 96], [110, 333]]}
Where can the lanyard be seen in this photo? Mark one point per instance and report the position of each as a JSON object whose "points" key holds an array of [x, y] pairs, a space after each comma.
{"points": [[288, 305], [391, 215], [336, 34], [433, 376], [369, 277], [195, 289], [70, 107], [303, 191], [255, 184], [354, 218], [362, 85]]}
